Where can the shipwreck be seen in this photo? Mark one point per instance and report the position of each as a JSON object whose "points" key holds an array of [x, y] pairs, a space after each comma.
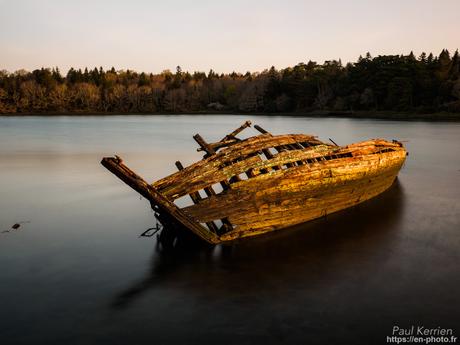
{"points": [[247, 187]]}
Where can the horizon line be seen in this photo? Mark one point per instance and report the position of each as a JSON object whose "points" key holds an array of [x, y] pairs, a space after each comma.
{"points": [[219, 73]]}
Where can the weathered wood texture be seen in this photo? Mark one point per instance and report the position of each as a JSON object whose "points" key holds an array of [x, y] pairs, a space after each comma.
{"points": [[217, 168], [209, 170], [269, 182], [277, 215], [163, 206], [196, 198], [285, 197], [233, 134]]}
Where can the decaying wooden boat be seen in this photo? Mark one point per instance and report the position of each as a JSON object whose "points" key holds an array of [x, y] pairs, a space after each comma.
{"points": [[266, 182]]}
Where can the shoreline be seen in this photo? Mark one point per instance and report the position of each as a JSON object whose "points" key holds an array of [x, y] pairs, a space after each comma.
{"points": [[383, 115]]}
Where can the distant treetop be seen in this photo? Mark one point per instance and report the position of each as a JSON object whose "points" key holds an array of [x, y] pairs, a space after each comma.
{"points": [[384, 82]]}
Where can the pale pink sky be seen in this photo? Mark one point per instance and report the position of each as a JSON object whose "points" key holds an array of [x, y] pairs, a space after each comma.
{"points": [[223, 35]]}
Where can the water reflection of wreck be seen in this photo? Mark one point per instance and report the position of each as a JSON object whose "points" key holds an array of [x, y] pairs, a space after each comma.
{"points": [[266, 182], [307, 253]]}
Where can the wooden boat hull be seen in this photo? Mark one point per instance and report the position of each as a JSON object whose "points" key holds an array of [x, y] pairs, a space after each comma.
{"points": [[267, 183], [282, 199], [315, 203]]}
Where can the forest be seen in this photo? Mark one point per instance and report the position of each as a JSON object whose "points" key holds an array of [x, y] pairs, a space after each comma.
{"points": [[398, 83]]}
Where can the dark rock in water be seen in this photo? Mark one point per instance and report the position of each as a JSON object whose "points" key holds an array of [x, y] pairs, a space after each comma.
{"points": [[15, 226]]}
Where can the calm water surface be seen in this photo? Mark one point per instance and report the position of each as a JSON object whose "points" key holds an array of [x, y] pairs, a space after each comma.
{"points": [[79, 274]]}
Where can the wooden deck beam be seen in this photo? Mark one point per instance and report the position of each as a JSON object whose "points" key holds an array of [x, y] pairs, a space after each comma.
{"points": [[236, 131], [164, 207]]}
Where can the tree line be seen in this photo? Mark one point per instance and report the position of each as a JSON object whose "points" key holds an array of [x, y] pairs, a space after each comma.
{"points": [[406, 83]]}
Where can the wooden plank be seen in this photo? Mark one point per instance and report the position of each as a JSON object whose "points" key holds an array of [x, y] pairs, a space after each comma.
{"points": [[253, 144], [229, 139], [261, 130], [299, 203], [212, 176], [214, 173], [280, 185], [311, 211], [326, 204], [227, 155], [203, 145], [294, 173], [236, 131], [196, 198], [162, 205], [332, 141], [220, 144]]}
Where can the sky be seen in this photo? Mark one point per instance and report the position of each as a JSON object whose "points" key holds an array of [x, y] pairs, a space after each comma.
{"points": [[227, 36]]}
